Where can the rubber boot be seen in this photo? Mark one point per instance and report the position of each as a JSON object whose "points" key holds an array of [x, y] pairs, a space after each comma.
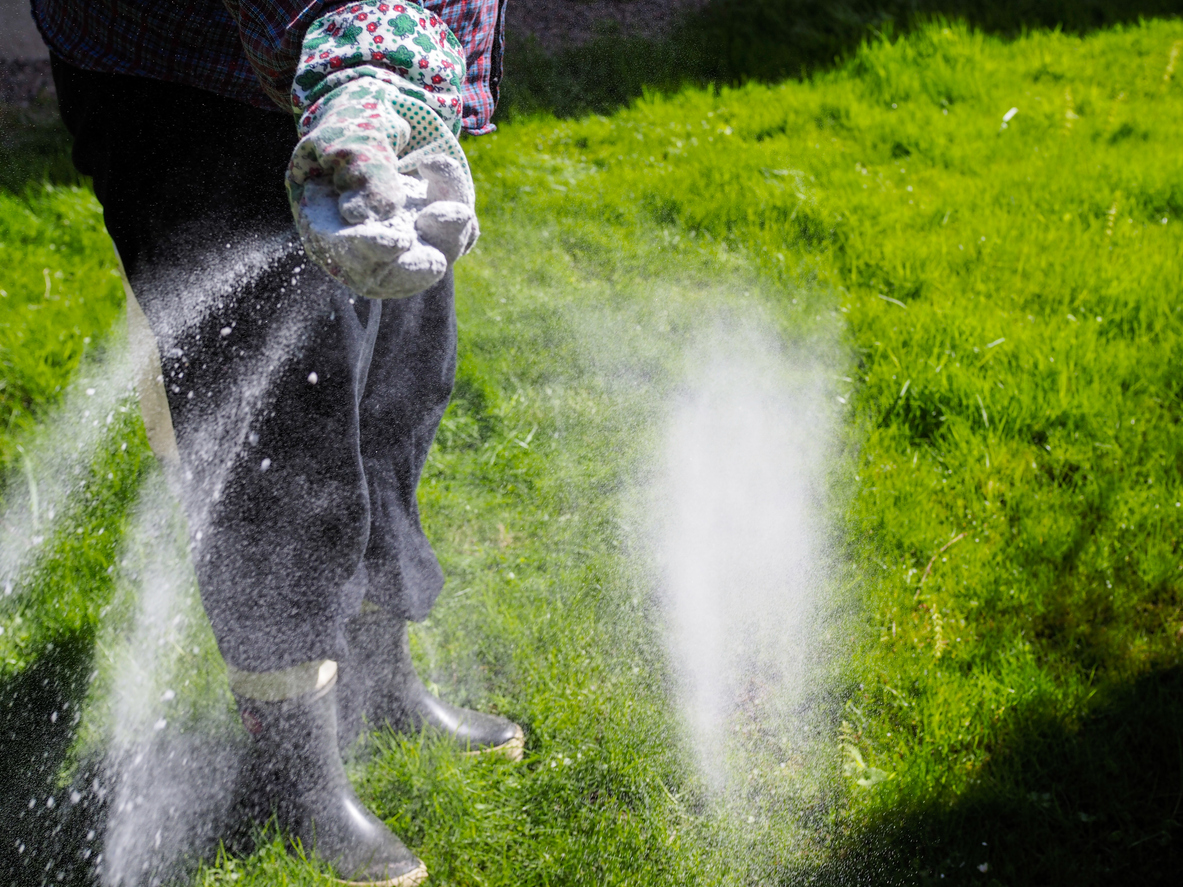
{"points": [[379, 686], [297, 772]]}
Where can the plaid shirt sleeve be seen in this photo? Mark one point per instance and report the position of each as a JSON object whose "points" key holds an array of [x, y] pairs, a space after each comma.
{"points": [[246, 49], [479, 25], [271, 35]]}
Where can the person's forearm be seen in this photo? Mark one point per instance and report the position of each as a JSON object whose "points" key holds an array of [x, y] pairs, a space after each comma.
{"points": [[379, 185]]}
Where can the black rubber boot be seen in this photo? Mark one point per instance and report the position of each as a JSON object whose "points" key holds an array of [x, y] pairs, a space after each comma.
{"points": [[297, 772], [379, 686]]}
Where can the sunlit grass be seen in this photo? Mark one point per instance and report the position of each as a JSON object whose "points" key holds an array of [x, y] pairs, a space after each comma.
{"points": [[59, 291], [1010, 299]]}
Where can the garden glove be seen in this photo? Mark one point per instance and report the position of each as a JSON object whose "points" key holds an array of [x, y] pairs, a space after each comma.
{"points": [[379, 186]]}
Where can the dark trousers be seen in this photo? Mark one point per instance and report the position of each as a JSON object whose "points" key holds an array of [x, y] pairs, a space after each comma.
{"points": [[303, 414]]}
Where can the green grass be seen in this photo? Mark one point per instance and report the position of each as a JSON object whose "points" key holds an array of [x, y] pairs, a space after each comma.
{"points": [[729, 42], [1009, 300], [60, 291]]}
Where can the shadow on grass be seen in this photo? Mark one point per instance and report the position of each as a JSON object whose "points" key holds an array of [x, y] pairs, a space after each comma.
{"points": [[733, 41], [41, 831], [1101, 804], [725, 42], [34, 147], [149, 816]]}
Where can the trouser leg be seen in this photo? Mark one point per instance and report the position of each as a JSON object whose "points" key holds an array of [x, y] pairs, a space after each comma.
{"points": [[263, 396], [410, 381], [261, 357]]}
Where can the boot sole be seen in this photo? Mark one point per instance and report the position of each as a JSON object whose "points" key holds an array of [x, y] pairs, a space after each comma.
{"points": [[413, 878], [514, 749]]}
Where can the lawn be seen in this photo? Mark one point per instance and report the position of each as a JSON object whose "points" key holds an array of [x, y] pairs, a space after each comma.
{"points": [[988, 233]]}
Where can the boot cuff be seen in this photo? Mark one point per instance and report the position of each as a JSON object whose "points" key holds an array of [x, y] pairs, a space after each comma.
{"points": [[306, 679]]}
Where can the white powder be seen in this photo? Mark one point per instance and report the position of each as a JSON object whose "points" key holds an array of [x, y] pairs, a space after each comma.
{"points": [[393, 258]]}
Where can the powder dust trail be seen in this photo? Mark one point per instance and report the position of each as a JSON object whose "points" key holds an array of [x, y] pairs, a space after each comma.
{"points": [[44, 502], [725, 425], [163, 712], [741, 546], [55, 460], [164, 716], [150, 776]]}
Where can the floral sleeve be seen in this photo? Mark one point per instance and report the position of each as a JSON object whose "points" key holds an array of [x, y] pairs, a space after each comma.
{"points": [[400, 44]]}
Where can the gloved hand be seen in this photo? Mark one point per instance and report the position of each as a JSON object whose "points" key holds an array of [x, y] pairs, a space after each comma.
{"points": [[384, 233], [379, 186]]}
